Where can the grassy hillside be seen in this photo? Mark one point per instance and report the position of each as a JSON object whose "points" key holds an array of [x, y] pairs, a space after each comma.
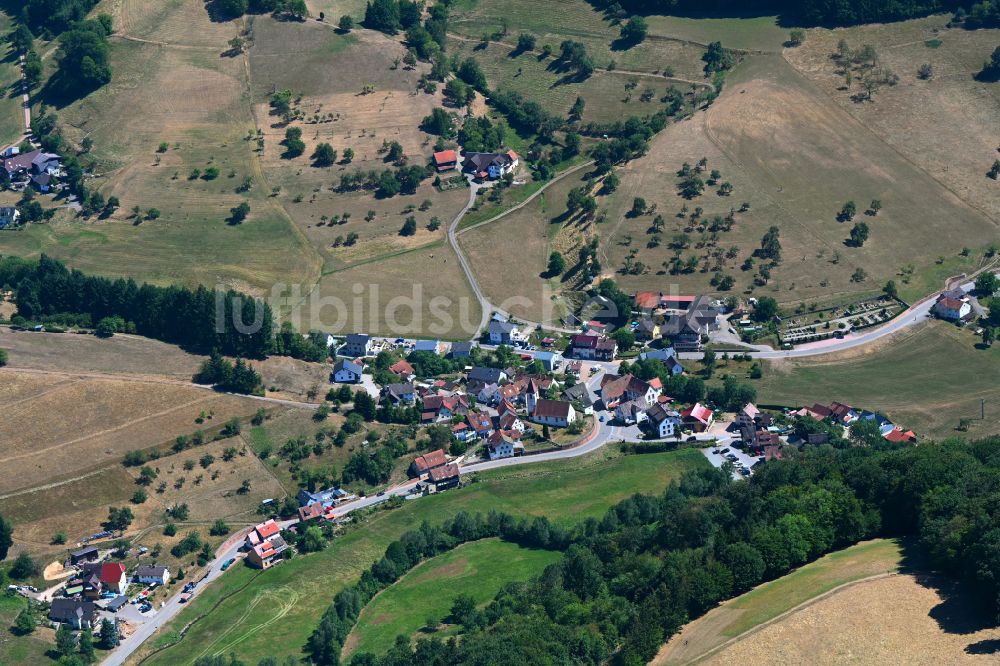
{"points": [[928, 379], [274, 613], [478, 569]]}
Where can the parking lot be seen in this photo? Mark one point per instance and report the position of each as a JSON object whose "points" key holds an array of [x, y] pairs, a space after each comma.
{"points": [[719, 459]]}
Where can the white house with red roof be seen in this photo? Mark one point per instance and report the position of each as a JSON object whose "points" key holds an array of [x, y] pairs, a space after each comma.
{"points": [[698, 417], [265, 545]]}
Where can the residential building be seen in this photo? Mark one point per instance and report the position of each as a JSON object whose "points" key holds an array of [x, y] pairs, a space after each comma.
{"points": [[842, 414], [20, 164], [510, 421], [312, 512], [265, 545], [77, 614], [697, 417], [623, 388], [400, 393], [151, 573], [584, 346], [553, 412], [460, 350], [444, 477], [488, 394], [111, 576], [952, 309], [581, 394], [8, 216], [346, 372], [428, 461], [665, 422], [445, 160], [481, 423], [327, 497], [667, 356], [549, 360], [647, 330], [747, 416], [631, 411], [442, 408], [462, 432], [432, 346], [486, 375], [685, 330], [490, 165], [357, 345], [502, 444], [605, 349], [504, 332], [403, 370], [574, 368]]}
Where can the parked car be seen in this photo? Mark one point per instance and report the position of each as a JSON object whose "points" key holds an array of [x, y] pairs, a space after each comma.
{"points": [[184, 597], [228, 563]]}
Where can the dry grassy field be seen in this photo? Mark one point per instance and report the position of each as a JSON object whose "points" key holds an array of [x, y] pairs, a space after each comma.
{"points": [[947, 125], [98, 421], [796, 158], [905, 619]]}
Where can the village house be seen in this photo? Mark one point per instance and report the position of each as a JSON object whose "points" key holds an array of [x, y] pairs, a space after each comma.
{"points": [[403, 370], [462, 432], [686, 330], [428, 461], [553, 412], [444, 477], [574, 368], [327, 497], [584, 346], [510, 421], [110, 575], [623, 388], [357, 345], [346, 372], [598, 328], [697, 417], [489, 394], [606, 349], [431, 346], [665, 422], [77, 614], [631, 411], [647, 330], [549, 360], [579, 393], [151, 573], [648, 301], [842, 414], [953, 305], [481, 423], [490, 166], [460, 350], [504, 444], [8, 216], [667, 356], [265, 545], [442, 408], [486, 375], [445, 160], [400, 393], [504, 332], [312, 512]]}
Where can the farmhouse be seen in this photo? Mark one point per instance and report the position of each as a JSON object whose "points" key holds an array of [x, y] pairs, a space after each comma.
{"points": [[553, 412], [952, 307], [358, 345], [150, 573], [328, 497], [445, 160], [75, 613], [490, 165], [312, 512], [665, 422], [685, 330], [444, 477], [427, 462], [346, 372], [265, 545], [657, 300]]}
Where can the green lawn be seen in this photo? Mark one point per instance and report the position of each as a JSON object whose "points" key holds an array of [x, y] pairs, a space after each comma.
{"points": [[276, 612], [926, 379], [478, 569], [24, 650]]}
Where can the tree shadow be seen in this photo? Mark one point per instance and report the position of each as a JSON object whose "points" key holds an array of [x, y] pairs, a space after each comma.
{"points": [[987, 646], [217, 12]]}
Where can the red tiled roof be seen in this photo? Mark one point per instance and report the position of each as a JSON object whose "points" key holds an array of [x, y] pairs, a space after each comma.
{"points": [[267, 529], [445, 157], [647, 300], [401, 367], [950, 303], [448, 471], [314, 510], [111, 572], [698, 412], [552, 409], [899, 435], [589, 341], [430, 460]]}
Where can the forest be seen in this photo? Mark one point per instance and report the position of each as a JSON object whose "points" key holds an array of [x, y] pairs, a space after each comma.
{"points": [[629, 581]]}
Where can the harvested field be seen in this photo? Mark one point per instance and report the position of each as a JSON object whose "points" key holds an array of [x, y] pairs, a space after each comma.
{"points": [[904, 619], [891, 377], [99, 421], [769, 600], [11, 115], [795, 158], [947, 125], [419, 292], [121, 354]]}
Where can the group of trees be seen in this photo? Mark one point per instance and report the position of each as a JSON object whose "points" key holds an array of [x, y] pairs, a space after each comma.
{"points": [[200, 319], [387, 183], [84, 57], [238, 377], [628, 581], [290, 9]]}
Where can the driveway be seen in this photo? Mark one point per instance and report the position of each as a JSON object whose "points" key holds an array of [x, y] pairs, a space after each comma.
{"points": [[718, 459]]}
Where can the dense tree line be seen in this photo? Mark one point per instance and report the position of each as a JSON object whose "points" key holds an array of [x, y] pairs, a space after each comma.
{"points": [[55, 16], [199, 319], [808, 12], [84, 57], [629, 581]]}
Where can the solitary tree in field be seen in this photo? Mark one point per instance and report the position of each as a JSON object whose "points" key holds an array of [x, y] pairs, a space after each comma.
{"points": [[796, 37], [324, 155], [994, 172], [346, 23], [557, 264], [239, 213], [875, 207], [634, 30], [925, 71], [848, 212], [859, 234], [870, 85], [409, 227]]}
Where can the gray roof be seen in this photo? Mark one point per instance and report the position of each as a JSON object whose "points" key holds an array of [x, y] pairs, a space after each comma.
{"points": [[150, 570], [486, 375], [580, 393], [350, 366], [658, 413], [358, 339], [461, 348], [69, 610], [501, 326]]}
